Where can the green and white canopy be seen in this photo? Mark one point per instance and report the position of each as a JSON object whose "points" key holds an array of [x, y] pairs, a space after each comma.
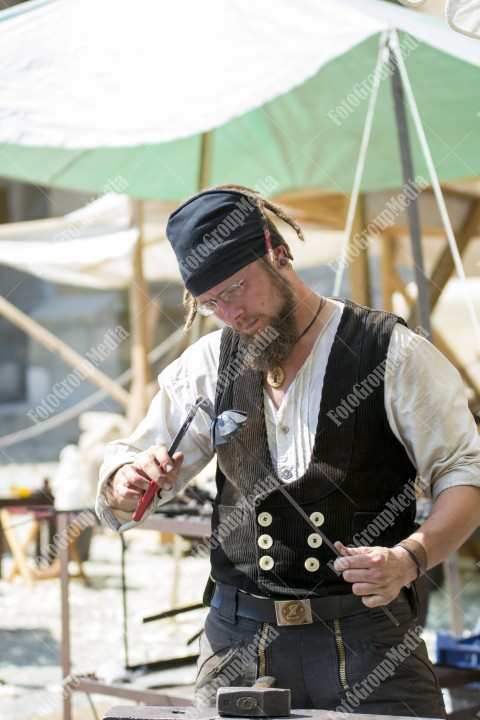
{"points": [[98, 94]]}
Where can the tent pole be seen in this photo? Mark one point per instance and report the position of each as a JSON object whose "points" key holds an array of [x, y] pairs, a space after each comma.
{"points": [[422, 313], [205, 158], [357, 181], [60, 348], [138, 304], [435, 182], [359, 269], [198, 328]]}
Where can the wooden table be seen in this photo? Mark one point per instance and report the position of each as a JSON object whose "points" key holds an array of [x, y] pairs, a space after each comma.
{"points": [[40, 506]]}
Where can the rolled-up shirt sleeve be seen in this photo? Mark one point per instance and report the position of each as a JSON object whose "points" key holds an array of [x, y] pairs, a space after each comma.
{"points": [[181, 383], [428, 412]]}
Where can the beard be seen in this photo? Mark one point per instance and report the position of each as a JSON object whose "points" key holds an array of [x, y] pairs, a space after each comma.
{"points": [[284, 324]]}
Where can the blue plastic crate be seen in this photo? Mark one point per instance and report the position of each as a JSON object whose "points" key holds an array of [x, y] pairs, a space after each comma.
{"points": [[458, 652]]}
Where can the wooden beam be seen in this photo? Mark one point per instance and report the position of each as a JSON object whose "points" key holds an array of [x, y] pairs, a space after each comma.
{"points": [[15, 545], [391, 280], [24, 544], [204, 160], [452, 355], [388, 270], [60, 348], [139, 338], [444, 266], [359, 270]]}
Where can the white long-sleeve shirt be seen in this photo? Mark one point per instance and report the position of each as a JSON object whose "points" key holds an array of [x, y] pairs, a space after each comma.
{"points": [[424, 399]]}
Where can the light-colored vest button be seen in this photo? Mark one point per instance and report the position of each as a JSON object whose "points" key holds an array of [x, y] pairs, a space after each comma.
{"points": [[314, 540], [312, 564], [266, 562], [265, 541], [284, 429], [286, 474], [264, 519], [317, 518]]}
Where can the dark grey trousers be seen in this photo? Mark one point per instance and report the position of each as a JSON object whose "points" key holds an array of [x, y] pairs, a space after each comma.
{"points": [[357, 664]]}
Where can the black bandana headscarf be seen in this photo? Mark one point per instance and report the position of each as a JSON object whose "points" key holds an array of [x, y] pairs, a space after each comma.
{"points": [[215, 234]]}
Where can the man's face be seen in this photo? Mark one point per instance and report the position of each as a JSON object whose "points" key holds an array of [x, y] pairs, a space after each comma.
{"points": [[267, 300]]}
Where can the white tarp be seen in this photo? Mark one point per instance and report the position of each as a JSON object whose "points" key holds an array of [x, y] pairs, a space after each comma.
{"points": [[102, 262], [91, 247], [94, 246], [64, 59]]}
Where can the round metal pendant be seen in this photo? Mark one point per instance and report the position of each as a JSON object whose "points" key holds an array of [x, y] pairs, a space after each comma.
{"points": [[275, 377]]}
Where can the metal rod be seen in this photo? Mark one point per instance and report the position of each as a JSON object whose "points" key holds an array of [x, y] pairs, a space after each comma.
{"points": [[62, 530], [124, 602], [172, 613], [412, 210]]}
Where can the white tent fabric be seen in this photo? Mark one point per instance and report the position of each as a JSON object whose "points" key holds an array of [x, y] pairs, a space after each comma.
{"points": [[83, 263], [93, 247], [252, 57]]}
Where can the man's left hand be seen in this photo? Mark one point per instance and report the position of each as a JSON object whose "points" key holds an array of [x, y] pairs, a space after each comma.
{"points": [[377, 573]]}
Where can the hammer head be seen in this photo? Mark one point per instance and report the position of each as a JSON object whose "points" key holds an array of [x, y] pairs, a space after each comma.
{"points": [[260, 700]]}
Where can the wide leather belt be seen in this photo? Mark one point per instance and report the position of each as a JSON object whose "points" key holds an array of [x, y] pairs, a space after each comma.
{"points": [[295, 611]]}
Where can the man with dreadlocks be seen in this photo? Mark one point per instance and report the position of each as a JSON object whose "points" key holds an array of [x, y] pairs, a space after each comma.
{"points": [[345, 407]]}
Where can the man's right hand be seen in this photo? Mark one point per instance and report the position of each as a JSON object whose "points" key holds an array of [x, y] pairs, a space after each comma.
{"points": [[128, 483]]}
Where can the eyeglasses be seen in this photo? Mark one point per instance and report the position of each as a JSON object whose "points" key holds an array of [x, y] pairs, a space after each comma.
{"points": [[232, 292]]}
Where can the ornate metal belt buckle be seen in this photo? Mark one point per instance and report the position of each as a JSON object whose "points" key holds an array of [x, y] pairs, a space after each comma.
{"points": [[293, 612]]}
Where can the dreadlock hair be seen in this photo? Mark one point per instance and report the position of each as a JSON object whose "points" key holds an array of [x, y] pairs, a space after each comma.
{"points": [[262, 204]]}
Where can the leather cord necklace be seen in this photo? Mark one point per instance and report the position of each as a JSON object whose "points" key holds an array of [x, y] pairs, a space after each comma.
{"points": [[276, 376]]}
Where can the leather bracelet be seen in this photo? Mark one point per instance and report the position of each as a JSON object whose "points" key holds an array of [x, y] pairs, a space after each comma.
{"points": [[417, 553]]}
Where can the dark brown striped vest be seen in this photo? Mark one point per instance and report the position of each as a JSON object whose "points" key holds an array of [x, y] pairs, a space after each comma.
{"points": [[358, 484]]}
